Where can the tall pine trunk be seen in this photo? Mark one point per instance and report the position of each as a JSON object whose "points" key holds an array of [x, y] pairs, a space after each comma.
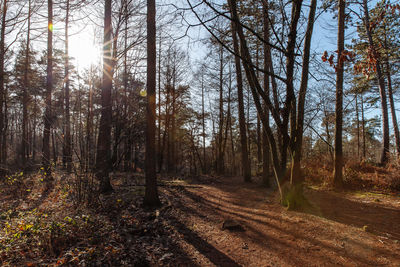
{"points": [[67, 140], [338, 164], [382, 89], [2, 89], [151, 192], [25, 96], [49, 88], [103, 159], [267, 64], [242, 120]]}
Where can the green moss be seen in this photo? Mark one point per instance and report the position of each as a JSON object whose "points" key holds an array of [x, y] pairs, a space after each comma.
{"points": [[293, 197]]}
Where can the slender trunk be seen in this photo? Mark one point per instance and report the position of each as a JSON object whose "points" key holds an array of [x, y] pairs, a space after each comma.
{"points": [[296, 175], [151, 192], [25, 96], [89, 126], [267, 64], [358, 128], [393, 112], [34, 131], [220, 155], [255, 89], [159, 150], [127, 145], [391, 102], [242, 120], [290, 111], [54, 147], [259, 145], [49, 88], [4, 137], [228, 119], [68, 152], [338, 164], [2, 74], [382, 90], [363, 127], [203, 124], [103, 160], [172, 166]]}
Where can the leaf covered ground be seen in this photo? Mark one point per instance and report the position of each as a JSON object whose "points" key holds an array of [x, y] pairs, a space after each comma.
{"points": [[42, 225]]}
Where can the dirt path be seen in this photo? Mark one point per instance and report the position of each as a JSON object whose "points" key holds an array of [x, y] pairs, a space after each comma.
{"points": [[344, 229]]}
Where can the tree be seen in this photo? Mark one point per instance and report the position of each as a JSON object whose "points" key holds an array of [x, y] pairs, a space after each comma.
{"points": [[338, 165], [381, 84], [242, 121], [25, 97], [2, 75], [49, 87], [67, 139], [291, 140], [103, 160], [151, 192]]}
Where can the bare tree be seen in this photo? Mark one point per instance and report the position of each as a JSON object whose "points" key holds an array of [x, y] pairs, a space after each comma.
{"points": [[103, 160], [151, 193], [49, 88]]}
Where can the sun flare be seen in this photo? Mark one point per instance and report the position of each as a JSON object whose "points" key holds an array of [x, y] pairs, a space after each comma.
{"points": [[84, 50]]}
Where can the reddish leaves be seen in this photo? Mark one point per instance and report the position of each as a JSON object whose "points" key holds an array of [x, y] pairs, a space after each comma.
{"points": [[346, 56], [389, 8], [369, 66]]}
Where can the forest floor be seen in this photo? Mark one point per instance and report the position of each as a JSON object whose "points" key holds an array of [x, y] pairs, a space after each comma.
{"points": [[40, 225]]}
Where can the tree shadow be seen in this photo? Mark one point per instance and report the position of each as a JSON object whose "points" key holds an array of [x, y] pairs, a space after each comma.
{"points": [[213, 254], [48, 188], [372, 217], [362, 214]]}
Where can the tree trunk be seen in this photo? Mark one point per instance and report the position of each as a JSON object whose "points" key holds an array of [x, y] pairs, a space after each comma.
{"points": [[25, 96], [296, 175], [255, 89], [242, 120], [159, 150], [382, 90], [203, 124], [67, 140], [151, 193], [220, 154], [363, 127], [2, 89], [338, 164], [358, 127], [267, 64], [391, 102], [49, 88], [89, 126], [103, 160]]}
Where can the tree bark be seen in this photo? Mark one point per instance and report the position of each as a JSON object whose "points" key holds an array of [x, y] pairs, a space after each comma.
{"points": [[358, 128], [49, 88], [242, 120], [338, 160], [391, 101], [68, 154], [25, 96], [2, 74], [151, 192], [220, 154], [103, 160], [382, 90], [296, 174], [267, 64]]}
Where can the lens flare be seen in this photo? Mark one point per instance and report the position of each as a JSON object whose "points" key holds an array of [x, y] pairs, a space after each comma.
{"points": [[143, 93]]}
